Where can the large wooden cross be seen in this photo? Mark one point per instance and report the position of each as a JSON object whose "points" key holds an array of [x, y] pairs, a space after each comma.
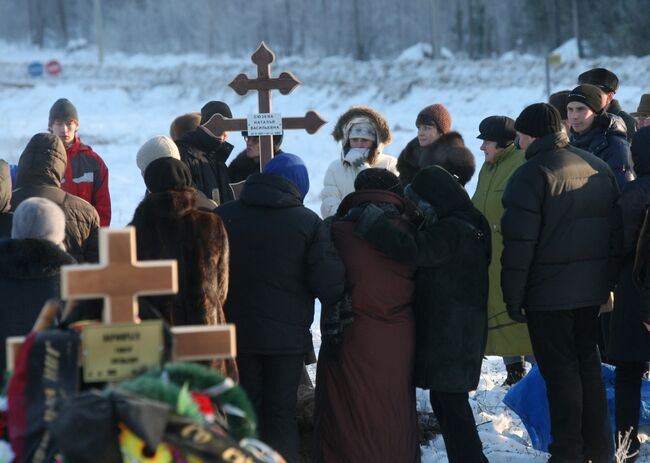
{"points": [[286, 82], [119, 279]]}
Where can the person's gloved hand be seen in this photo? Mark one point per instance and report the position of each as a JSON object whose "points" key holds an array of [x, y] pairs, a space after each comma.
{"points": [[369, 215], [516, 313]]}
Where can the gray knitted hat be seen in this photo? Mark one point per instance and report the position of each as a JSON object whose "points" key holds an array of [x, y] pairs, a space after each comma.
{"points": [[39, 218], [156, 148]]}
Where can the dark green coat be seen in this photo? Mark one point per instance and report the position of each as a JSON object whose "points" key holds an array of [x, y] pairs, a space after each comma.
{"points": [[452, 253]]}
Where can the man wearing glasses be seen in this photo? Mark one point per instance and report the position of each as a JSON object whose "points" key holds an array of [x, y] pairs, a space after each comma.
{"points": [[248, 161]]}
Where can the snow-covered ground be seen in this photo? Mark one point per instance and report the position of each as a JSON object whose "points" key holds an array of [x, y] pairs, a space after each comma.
{"points": [[132, 98]]}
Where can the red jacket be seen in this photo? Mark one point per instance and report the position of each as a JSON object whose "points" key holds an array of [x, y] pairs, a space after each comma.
{"points": [[86, 176]]}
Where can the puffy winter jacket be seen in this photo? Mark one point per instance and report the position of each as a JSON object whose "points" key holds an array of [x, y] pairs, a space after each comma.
{"points": [[40, 170], [86, 176], [561, 229]]}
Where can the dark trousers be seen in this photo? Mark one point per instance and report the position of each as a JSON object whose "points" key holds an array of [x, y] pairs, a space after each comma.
{"points": [[564, 343], [458, 426], [628, 401], [271, 383]]}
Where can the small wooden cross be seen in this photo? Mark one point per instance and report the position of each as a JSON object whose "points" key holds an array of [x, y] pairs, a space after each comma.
{"points": [[119, 279], [286, 82]]}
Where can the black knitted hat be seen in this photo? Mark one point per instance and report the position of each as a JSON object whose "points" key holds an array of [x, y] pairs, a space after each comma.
{"points": [[500, 129], [214, 107], [62, 110], [375, 178], [538, 120], [600, 77], [589, 95]]}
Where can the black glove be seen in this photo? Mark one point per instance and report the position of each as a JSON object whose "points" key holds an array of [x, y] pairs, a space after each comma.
{"points": [[516, 313]]}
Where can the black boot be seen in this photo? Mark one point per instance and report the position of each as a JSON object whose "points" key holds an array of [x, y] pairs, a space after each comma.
{"points": [[516, 371]]}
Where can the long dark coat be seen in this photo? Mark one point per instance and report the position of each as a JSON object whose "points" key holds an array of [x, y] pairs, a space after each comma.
{"points": [[169, 226], [366, 405], [452, 252], [281, 259], [29, 276], [629, 340]]}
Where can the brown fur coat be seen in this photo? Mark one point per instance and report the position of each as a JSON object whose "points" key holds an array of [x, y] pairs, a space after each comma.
{"points": [[168, 226]]}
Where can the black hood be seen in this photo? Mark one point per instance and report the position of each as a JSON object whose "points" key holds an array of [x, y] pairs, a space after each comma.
{"points": [[31, 258], [5, 187], [42, 162], [440, 189], [270, 190], [552, 141]]}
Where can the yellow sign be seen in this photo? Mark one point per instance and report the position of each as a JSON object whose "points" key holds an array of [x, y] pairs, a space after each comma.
{"points": [[120, 350], [554, 58]]}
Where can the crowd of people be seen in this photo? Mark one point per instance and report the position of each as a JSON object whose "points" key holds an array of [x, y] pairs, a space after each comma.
{"points": [[417, 280]]}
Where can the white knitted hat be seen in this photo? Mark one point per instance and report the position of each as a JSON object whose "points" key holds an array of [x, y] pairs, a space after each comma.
{"points": [[39, 218], [156, 148]]}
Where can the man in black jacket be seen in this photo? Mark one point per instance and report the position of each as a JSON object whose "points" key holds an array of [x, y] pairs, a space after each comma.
{"points": [[281, 258], [562, 240], [206, 154], [247, 162], [40, 170]]}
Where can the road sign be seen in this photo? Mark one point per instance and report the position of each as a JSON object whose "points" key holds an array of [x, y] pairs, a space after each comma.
{"points": [[53, 67], [35, 69]]}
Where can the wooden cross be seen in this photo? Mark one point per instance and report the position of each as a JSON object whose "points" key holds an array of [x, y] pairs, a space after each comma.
{"points": [[286, 82], [119, 279]]}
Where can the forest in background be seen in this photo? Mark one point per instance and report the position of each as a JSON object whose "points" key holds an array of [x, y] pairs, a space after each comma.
{"points": [[362, 29]]}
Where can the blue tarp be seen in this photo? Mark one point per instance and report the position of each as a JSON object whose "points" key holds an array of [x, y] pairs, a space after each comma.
{"points": [[528, 400]]}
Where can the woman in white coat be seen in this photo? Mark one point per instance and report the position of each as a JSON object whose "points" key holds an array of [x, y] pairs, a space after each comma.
{"points": [[363, 133]]}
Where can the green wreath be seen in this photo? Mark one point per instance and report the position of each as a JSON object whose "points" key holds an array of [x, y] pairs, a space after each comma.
{"points": [[171, 384]]}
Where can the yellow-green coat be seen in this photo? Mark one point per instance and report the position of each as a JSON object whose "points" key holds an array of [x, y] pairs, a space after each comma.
{"points": [[505, 337]]}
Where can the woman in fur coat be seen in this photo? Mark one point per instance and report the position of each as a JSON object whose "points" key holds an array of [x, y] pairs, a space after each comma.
{"points": [[363, 133], [170, 225]]}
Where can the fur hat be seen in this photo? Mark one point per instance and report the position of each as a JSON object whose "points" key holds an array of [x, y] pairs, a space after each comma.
{"points": [[500, 129], [183, 124], [588, 95], [214, 107], [375, 178], [538, 120], [558, 101], [39, 218], [437, 115], [362, 114], [292, 168], [601, 78], [156, 148], [62, 110]]}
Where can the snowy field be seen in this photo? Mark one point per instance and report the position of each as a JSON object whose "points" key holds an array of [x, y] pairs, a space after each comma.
{"points": [[132, 98]]}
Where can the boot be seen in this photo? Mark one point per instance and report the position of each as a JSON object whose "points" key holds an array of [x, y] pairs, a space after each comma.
{"points": [[516, 371]]}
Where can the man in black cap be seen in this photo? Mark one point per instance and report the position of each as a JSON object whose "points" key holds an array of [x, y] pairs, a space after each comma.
{"points": [[596, 131], [502, 157], [206, 154], [607, 81], [562, 239]]}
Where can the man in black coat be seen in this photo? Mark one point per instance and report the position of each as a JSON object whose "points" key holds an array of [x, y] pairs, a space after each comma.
{"points": [[562, 239], [206, 155], [281, 258], [247, 162], [40, 170]]}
